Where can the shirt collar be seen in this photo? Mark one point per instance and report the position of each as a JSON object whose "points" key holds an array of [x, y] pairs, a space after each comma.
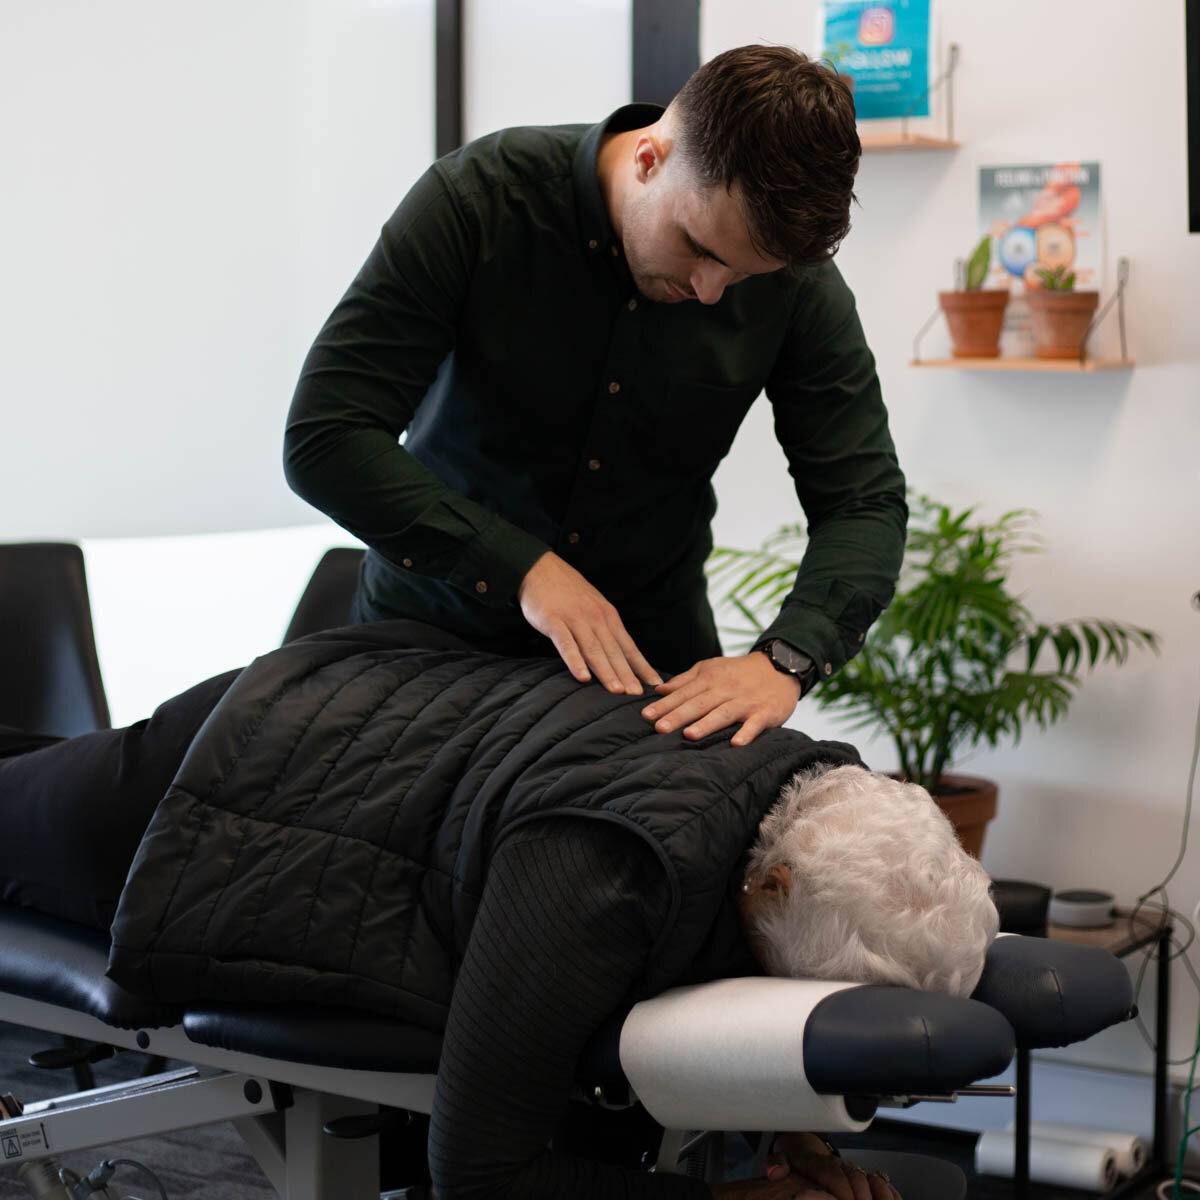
{"points": [[594, 226]]}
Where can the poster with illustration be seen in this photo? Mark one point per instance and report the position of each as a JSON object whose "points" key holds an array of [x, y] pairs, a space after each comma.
{"points": [[1041, 217], [884, 48]]}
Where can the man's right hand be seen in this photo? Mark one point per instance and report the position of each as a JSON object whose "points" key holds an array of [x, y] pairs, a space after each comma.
{"points": [[585, 628]]}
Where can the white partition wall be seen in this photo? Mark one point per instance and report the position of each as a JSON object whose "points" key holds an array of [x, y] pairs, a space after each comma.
{"points": [[187, 190], [544, 62]]}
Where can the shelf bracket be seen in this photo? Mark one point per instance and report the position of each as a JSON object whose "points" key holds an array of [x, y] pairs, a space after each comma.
{"points": [[946, 78], [937, 312], [1118, 297]]}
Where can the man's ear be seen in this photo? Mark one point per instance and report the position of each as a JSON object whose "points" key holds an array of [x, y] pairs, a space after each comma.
{"points": [[650, 153], [779, 880]]}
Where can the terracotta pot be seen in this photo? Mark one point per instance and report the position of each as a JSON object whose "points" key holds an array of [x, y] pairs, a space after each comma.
{"points": [[969, 802], [1060, 320], [975, 320]]}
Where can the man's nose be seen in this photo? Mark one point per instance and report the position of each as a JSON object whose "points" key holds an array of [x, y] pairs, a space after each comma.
{"points": [[710, 281]]}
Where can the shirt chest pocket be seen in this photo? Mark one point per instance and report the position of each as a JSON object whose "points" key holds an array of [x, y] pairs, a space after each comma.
{"points": [[695, 423]]}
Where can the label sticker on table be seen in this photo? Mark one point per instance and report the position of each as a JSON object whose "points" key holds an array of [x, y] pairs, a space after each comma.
{"points": [[25, 1140]]}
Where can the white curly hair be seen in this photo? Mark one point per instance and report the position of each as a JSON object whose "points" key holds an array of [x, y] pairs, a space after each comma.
{"points": [[881, 890]]}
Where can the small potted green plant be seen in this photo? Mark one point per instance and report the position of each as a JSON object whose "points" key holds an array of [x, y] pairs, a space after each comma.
{"points": [[956, 660], [974, 313], [1062, 316]]}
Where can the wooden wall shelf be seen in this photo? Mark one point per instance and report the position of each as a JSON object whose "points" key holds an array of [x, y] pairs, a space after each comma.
{"points": [[910, 141], [1068, 365]]}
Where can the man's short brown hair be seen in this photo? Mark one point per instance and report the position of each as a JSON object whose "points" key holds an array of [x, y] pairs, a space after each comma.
{"points": [[782, 127]]}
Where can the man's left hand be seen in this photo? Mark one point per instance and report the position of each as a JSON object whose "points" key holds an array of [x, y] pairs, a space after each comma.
{"points": [[725, 691]]}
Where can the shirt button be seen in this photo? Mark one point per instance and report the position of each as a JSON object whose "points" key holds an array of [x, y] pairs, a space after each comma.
{"points": [[828, 668], [862, 637], [481, 587], [593, 244], [593, 464], [632, 305], [407, 562], [573, 538], [614, 388]]}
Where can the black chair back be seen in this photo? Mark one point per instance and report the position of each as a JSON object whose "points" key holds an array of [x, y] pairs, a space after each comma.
{"points": [[328, 597], [50, 679]]}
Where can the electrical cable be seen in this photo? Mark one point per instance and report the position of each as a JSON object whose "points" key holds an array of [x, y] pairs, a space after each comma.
{"points": [[97, 1179], [1187, 814], [142, 1169], [1177, 950]]}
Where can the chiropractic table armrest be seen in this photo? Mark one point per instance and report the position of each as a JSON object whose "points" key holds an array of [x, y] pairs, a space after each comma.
{"points": [[1054, 993]]}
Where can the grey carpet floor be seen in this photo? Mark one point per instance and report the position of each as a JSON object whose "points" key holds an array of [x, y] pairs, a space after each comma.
{"points": [[211, 1162]]}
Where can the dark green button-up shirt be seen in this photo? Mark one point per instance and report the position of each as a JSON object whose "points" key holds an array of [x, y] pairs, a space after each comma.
{"points": [[547, 405]]}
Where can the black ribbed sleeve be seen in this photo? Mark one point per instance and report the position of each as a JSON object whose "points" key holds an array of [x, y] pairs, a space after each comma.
{"points": [[566, 922]]}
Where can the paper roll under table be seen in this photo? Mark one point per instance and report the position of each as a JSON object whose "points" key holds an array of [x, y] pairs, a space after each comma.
{"points": [[1130, 1149], [1067, 1164]]}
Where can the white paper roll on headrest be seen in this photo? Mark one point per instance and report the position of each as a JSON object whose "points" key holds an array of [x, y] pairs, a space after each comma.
{"points": [[1066, 1164], [730, 1055]]}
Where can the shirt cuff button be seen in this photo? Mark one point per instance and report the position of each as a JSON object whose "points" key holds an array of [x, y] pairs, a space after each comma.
{"points": [[481, 587], [407, 562], [828, 668]]}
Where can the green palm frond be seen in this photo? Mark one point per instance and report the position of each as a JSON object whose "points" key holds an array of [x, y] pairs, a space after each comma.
{"points": [[939, 671]]}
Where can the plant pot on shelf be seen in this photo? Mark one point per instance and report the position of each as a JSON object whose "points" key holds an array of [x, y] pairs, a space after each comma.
{"points": [[1060, 320], [975, 319]]}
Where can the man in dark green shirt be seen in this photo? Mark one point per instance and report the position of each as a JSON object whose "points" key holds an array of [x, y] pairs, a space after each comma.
{"points": [[570, 323]]}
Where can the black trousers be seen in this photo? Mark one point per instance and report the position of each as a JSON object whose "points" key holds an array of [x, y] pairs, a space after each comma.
{"points": [[72, 811]]}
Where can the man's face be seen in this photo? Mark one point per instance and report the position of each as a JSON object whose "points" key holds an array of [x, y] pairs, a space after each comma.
{"points": [[684, 243]]}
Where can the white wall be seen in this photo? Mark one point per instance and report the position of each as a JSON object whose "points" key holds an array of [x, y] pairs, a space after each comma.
{"points": [[188, 188], [1109, 461], [544, 62]]}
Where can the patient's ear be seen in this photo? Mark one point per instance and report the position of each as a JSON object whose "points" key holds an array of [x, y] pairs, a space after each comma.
{"points": [[763, 895], [778, 880]]}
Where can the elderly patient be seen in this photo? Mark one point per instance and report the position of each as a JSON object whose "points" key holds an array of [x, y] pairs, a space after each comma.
{"points": [[375, 818]]}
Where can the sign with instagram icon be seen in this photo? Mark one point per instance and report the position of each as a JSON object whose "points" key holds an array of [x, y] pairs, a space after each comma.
{"points": [[884, 48]]}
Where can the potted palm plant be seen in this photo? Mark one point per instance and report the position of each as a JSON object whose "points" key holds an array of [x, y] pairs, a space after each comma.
{"points": [[956, 660], [1061, 315], [974, 313]]}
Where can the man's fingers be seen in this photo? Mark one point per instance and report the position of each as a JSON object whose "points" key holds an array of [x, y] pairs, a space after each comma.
{"points": [[636, 659], [596, 654], [673, 701], [682, 709], [568, 651], [750, 729], [711, 721], [676, 682]]}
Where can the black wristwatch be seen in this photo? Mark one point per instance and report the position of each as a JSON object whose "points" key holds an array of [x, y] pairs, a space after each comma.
{"points": [[786, 658]]}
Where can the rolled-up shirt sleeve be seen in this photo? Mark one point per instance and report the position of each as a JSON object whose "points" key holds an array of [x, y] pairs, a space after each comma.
{"points": [[359, 388]]}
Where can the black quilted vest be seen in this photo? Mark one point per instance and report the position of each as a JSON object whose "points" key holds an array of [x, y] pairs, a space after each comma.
{"points": [[328, 834]]}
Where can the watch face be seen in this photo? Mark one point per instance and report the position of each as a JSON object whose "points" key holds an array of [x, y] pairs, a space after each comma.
{"points": [[788, 658]]}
